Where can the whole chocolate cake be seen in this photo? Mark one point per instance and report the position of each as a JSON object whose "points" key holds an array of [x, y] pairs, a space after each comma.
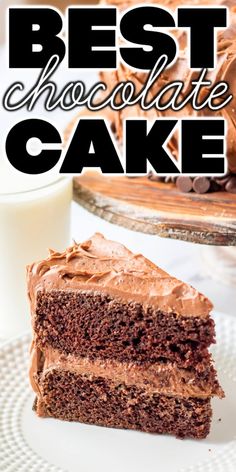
{"points": [[224, 71], [118, 342]]}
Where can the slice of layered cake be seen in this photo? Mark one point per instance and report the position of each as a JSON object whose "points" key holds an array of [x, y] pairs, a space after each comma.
{"points": [[118, 342]]}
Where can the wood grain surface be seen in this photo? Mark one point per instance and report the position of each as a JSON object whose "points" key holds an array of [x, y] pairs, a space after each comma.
{"points": [[158, 208]]}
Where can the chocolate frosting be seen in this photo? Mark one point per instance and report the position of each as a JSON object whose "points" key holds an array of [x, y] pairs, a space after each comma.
{"points": [[100, 265], [225, 71], [165, 378]]}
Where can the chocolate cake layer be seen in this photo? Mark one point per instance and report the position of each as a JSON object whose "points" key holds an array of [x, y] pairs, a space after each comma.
{"points": [[97, 325], [95, 400]]}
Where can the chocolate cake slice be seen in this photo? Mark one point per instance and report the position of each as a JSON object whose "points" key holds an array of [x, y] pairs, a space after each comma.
{"points": [[118, 342]]}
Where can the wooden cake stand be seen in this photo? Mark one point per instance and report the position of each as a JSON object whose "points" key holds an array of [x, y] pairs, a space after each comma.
{"points": [[159, 208]]}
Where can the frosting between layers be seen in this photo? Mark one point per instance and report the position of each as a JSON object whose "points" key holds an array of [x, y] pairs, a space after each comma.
{"points": [[100, 265], [163, 378]]}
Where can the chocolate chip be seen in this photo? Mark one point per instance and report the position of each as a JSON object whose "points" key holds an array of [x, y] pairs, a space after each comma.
{"points": [[222, 181], [215, 187], [184, 183], [201, 184], [231, 185]]}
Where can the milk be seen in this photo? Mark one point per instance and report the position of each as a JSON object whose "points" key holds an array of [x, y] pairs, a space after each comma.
{"points": [[34, 216]]}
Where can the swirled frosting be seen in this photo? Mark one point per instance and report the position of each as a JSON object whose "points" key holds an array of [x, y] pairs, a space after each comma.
{"points": [[99, 265], [224, 71]]}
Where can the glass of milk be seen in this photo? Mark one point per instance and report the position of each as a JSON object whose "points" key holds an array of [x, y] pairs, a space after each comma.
{"points": [[34, 216]]}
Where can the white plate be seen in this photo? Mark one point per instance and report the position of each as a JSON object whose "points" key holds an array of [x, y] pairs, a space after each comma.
{"points": [[32, 444]]}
